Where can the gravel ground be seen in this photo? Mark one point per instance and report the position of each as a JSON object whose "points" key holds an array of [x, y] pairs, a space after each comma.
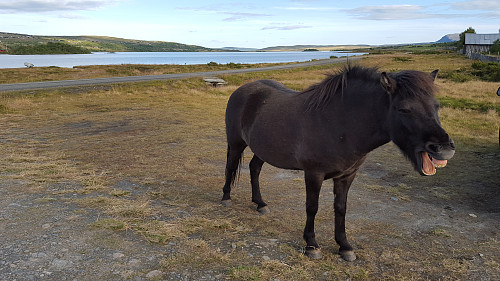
{"points": [[46, 238]]}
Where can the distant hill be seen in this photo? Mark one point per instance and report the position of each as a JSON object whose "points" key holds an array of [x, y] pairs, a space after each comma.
{"points": [[449, 38], [229, 49], [84, 44], [300, 48], [11, 41]]}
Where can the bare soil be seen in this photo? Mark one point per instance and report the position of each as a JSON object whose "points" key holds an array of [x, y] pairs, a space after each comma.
{"points": [[95, 189]]}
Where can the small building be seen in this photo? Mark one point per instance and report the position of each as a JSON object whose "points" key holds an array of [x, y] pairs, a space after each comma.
{"points": [[479, 43]]}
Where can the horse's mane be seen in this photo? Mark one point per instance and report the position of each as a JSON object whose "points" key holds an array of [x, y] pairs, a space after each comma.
{"points": [[409, 83], [320, 94]]}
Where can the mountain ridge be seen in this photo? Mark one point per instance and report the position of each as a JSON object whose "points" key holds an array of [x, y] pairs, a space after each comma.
{"points": [[97, 43], [10, 41]]}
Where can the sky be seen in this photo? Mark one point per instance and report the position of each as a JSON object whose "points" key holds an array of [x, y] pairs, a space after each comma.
{"points": [[256, 23]]}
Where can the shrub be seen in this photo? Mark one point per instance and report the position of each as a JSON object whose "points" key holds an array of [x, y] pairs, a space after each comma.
{"points": [[402, 59], [495, 49], [486, 71], [460, 77]]}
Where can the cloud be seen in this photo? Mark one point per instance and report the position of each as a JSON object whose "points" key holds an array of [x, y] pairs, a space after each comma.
{"points": [[236, 16], [304, 8], [286, 27], [478, 5], [219, 10], [36, 6], [389, 12]]}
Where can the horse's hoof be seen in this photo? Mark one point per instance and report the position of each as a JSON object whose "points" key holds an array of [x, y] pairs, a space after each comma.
{"points": [[313, 252], [226, 203], [264, 210], [348, 255]]}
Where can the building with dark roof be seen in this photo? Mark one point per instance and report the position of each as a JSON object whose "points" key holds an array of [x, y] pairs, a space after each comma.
{"points": [[479, 43]]}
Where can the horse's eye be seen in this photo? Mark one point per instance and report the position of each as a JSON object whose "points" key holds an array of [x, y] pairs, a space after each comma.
{"points": [[404, 110]]}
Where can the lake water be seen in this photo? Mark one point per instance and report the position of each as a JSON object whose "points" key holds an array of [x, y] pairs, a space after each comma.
{"points": [[179, 58]]}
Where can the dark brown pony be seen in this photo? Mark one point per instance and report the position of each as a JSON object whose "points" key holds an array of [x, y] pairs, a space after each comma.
{"points": [[328, 130]]}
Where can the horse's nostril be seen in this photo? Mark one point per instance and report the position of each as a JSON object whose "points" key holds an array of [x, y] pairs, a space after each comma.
{"points": [[432, 147]]}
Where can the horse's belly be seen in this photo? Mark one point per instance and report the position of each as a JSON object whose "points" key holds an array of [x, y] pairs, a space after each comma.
{"points": [[278, 153]]}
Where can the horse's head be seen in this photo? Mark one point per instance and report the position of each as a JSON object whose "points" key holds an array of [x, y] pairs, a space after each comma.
{"points": [[413, 120]]}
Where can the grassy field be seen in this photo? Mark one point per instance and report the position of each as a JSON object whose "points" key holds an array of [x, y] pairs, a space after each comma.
{"points": [[37, 74], [149, 158]]}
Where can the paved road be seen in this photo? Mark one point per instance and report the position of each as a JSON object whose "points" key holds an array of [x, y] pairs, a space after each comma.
{"points": [[127, 79]]}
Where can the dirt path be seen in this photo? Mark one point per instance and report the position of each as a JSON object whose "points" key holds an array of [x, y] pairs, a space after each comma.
{"points": [[129, 79]]}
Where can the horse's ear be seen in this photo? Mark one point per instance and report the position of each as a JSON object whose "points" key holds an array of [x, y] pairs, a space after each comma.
{"points": [[388, 83], [434, 74]]}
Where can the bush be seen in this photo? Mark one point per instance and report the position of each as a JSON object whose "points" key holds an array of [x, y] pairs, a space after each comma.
{"points": [[495, 49], [460, 77], [486, 71]]}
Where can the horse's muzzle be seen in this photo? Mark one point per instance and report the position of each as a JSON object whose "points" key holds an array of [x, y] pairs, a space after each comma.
{"points": [[440, 151]]}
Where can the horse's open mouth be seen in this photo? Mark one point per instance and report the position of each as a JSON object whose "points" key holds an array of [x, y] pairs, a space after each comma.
{"points": [[430, 164]]}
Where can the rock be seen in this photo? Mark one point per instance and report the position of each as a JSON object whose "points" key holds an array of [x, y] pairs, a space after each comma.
{"points": [[134, 262], [118, 255], [38, 255], [57, 263], [266, 258], [154, 274]]}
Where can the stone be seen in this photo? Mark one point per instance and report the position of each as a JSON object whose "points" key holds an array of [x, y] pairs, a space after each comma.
{"points": [[118, 255], [57, 263], [154, 274]]}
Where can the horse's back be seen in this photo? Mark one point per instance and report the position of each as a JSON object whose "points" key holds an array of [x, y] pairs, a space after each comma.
{"points": [[248, 100], [264, 115]]}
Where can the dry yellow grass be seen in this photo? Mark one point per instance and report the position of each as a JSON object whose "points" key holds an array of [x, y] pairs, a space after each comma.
{"points": [[21, 75], [149, 157]]}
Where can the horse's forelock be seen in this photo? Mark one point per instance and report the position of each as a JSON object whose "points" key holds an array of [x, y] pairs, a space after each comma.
{"points": [[411, 83]]}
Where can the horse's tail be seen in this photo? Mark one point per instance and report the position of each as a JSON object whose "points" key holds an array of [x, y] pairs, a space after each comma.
{"points": [[234, 160]]}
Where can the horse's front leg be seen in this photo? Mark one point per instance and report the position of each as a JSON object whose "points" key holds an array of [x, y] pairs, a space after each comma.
{"points": [[341, 188], [313, 188]]}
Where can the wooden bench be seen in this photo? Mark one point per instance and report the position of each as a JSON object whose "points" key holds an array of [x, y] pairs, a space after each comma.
{"points": [[214, 81]]}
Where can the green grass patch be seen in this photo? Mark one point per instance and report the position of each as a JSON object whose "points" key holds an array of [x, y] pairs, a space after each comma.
{"points": [[402, 59], [3, 109], [462, 103]]}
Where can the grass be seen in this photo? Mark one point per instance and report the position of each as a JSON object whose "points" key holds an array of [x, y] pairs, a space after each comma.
{"points": [[149, 158], [37, 74]]}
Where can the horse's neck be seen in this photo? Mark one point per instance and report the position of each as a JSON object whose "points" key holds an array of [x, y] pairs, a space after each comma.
{"points": [[366, 119]]}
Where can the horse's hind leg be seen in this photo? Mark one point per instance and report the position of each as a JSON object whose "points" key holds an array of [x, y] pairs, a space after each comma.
{"points": [[234, 154], [255, 168]]}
